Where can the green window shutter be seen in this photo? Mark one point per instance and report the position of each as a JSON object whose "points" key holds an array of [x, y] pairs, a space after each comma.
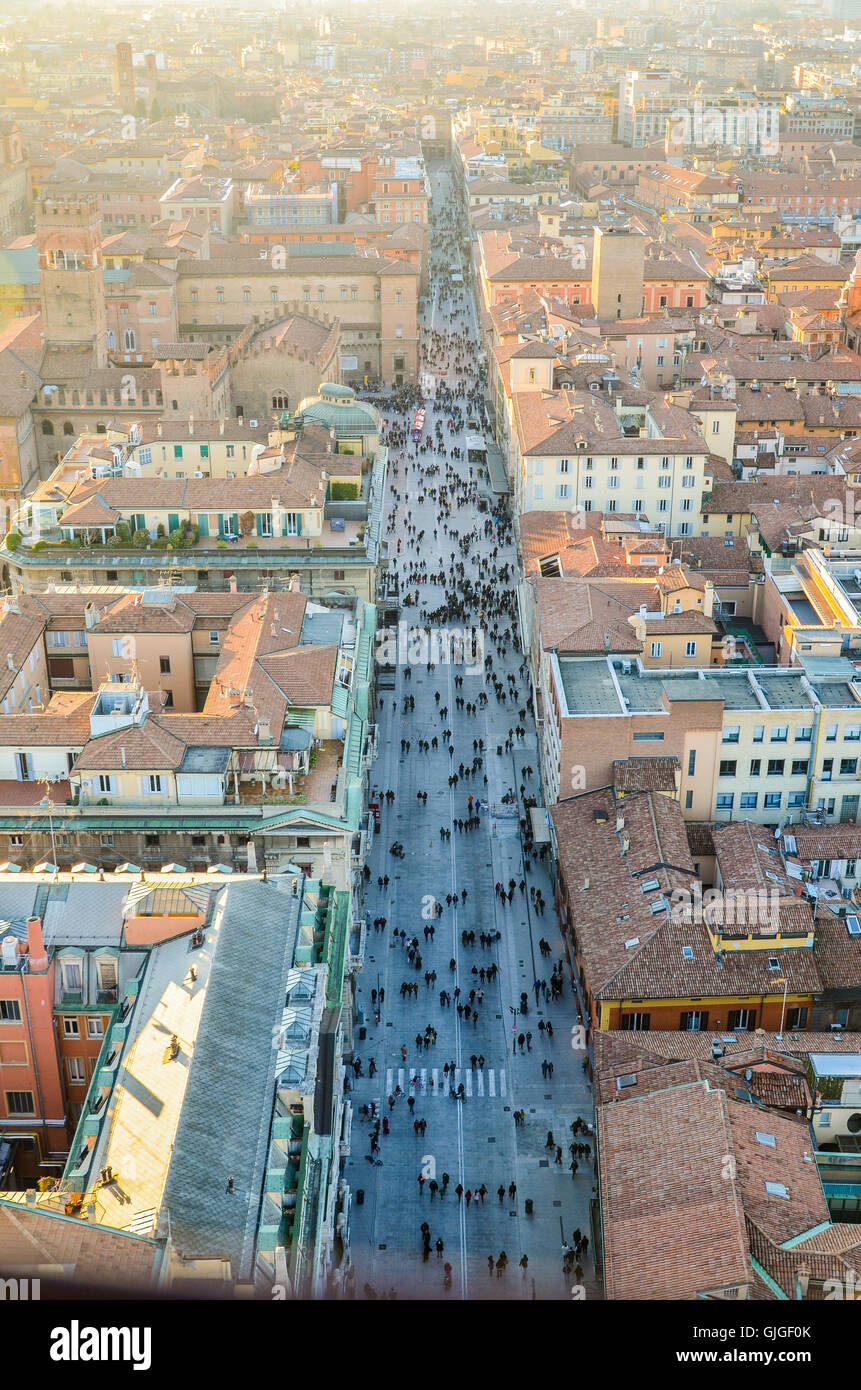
{"points": [[203, 523], [204, 451], [172, 521], [259, 520], [234, 523], [298, 523]]}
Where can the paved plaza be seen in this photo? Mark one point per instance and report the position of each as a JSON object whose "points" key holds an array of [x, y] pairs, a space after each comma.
{"points": [[474, 1140]]}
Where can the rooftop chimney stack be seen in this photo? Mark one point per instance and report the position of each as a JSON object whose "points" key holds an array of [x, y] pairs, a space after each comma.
{"points": [[36, 945]]}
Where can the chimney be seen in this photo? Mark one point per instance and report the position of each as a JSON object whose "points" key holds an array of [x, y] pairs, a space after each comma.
{"points": [[232, 582], [36, 945], [10, 661], [91, 616], [158, 429], [191, 424], [123, 756], [294, 584], [264, 730], [221, 426]]}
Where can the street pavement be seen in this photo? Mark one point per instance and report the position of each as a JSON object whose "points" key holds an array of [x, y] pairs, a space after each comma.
{"points": [[474, 1140]]}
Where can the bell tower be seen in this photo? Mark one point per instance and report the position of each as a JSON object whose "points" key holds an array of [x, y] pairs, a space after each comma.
{"points": [[69, 242], [124, 79]]}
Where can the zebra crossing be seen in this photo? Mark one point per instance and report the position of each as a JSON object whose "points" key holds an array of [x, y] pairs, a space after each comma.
{"points": [[485, 1083]]}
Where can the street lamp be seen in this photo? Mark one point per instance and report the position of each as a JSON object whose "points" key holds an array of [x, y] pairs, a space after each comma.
{"points": [[49, 806], [781, 980], [514, 1015]]}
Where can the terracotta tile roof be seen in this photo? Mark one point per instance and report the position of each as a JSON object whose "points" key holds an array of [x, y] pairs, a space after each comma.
{"points": [[841, 841], [676, 1215], [628, 952], [305, 675], [700, 840], [673, 1222], [579, 617], [147, 747], [645, 774], [129, 614]]}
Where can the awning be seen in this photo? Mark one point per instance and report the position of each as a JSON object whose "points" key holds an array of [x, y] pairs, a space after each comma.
{"points": [[540, 824]]}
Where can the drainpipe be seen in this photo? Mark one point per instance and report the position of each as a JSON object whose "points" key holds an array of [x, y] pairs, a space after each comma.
{"points": [[43, 1121], [811, 775]]}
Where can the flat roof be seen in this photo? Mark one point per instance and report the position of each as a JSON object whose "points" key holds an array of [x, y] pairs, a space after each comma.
{"points": [[589, 688], [836, 1064]]}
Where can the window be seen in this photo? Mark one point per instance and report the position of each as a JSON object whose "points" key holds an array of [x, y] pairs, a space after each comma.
{"points": [[796, 1018], [694, 1020], [10, 1011], [20, 1103], [106, 973], [105, 782], [648, 737], [799, 767], [772, 801], [775, 767], [95, 1028], [741, 1020], [70, 1028], [692, 761], [727, 767], [731, 733], [831, 733], [827, 769], [655, 649], [724, 801], [780, 733], [690, 649], [848, 767], [214, 638], [636, 1023], [77, 1074], [748, 801], [152, 782], [689, 800], [804, 733]]}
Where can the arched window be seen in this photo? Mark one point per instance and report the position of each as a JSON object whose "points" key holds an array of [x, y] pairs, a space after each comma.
{"points": [[129, 340], [111, 340], [321, 293], [47, 427], [68, 427], [273, 294], [246, 293], [280, 401], [101, 428]]}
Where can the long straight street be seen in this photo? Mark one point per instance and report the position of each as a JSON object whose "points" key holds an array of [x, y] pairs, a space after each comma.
{"points": [[475, 1140]]}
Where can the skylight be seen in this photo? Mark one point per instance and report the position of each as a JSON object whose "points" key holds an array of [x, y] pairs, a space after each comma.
{"points": [[768, 1139], [777, 1189]]}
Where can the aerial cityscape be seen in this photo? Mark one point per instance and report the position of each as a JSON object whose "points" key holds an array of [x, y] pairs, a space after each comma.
{"points": [[430, 653]]}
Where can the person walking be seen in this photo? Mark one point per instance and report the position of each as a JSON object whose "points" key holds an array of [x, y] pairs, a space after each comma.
{"points": [[501, 1264], [524, 1264], [459, 1191], [439, 1248], [512, 1190], [500, 1192]]}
